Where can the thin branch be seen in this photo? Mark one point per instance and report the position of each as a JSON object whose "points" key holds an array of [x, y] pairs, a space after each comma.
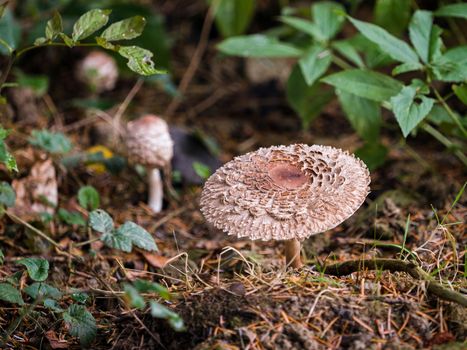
{"points": [[393, 265]]}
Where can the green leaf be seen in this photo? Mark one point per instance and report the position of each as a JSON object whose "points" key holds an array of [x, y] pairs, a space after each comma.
{"points": [[395, 48], [445, 69], [405, 67], [52, 142], [7, 195], [100, 221], [160, 311], [346, 49], [424, 36], [42, 290], [373, 154], [127, 29], [304, 26], [106, 44], [363, 114], [202, 170], [257, 45], [453, 10], [392, 15], [118, 240], [54, 26], [10, 294], [307, 101], [367, 84], [89, 23], [71, 217], [39, 84], [88, 198], [10, 33], [38, 269], [233, 17], [80, 297], [459, 90], [408, 112], [315, 63], [67, 40], [135, 299], [52, 304], [40, 41], [137, 235], [329, 17], [81, 324], [139, 60], [2, 8], [144, 286], [6, 157]]}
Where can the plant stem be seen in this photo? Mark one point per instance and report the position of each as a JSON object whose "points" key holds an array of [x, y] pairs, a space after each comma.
{"points": [[89, 241], [445, 141], [393, 265], [340, 62], [448, 109]]}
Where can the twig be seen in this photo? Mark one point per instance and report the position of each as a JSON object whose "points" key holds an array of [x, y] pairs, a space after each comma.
{"points": [[124, 105], [393, 265]]}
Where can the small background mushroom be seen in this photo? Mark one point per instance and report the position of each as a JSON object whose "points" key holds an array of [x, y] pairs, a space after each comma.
{"points": [[285, 193]]}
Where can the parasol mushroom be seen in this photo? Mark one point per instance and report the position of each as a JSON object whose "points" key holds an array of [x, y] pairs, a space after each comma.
{"points": [[98, 70], [285, 193], [149, 143]]}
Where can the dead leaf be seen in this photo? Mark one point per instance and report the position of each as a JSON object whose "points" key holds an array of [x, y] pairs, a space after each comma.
{"points": [[55, 342], [155, 260]]}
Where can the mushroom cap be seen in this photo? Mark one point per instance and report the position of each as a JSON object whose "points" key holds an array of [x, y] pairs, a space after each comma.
{"points": [[285, 192], [98, 70], [148, 142]]}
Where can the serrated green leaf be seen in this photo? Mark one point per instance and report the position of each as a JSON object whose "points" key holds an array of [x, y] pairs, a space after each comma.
{"points": [[52, 142], [307, 101], [395, 48], [304, 26], [88, 198], [71, 217], [10, 32], [7, 195], [202, 170], [453, 10], [43, 290], [117, 240], [257, 45], [139, 60], [373, 154], [460, 91], [54, 26], [392, 15], [160, 311], [100, 221], [89, 23], [137, 235], [364, 83], [314, 63], [363, 114], [132, 295], [233, 17], [346, 49], [10, 294], [38, 269], [329, 18], [408, 112], [81, 324], [126, 29]]}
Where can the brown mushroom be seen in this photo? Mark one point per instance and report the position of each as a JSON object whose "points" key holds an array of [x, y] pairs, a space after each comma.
{"points": [[149, 143], [285, 193]]}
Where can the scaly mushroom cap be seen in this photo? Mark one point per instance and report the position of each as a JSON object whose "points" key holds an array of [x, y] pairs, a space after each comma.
{"points": [[99, 70], [148, 142], [285, 192]]}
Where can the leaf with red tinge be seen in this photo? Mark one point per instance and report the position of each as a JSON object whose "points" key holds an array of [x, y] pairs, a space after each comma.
{"points": [[54, 341]]}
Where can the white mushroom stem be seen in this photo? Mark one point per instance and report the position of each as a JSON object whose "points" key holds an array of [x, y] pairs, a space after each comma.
{"points": [[156, 190], [292, 253]]}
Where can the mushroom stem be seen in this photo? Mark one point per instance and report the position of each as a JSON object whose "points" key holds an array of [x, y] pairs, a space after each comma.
{"points": [[155, 190], [292, 253]]}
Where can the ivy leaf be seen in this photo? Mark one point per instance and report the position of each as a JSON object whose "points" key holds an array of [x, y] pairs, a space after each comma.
{"points": [[137, 235], [37, 289], [394, 47], [52, 142], [257, 45], [364, 83], [408, 112], [160, 311], [10, 294], [453, 10], [88, 198], [89, 23], [7, 195], [315, 63], [100, 221], [38, 269], [127, 29], [139, 60], [81, 324], [54, 26], [363, 114]]}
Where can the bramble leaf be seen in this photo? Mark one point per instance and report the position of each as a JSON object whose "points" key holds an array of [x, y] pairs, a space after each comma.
{"points": [[10, 294], [100, 221], [137, 235], [89, 23], [81, 323]]}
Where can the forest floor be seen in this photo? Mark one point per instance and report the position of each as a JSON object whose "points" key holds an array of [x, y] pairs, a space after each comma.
{"points": [[237, 294]]}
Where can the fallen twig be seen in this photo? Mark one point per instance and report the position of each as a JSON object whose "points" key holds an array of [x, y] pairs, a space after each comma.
{"points": [[393, 265]]}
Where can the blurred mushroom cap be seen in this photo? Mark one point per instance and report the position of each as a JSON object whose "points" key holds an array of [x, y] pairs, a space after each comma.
{"points": [[148, 142], [285, 192], [98, 70]]}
